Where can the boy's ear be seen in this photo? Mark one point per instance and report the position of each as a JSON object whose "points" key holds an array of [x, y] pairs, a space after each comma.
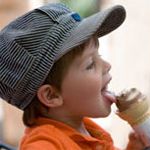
{"points": [[49, 96]]}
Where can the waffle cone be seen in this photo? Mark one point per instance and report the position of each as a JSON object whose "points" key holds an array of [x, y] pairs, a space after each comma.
{"points": [[136, 113]]}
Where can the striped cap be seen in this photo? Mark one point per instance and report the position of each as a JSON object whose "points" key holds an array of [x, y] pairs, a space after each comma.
{"points": [[31, 44]]}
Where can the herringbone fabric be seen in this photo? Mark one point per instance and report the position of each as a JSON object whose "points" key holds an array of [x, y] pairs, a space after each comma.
{"points": [[31, 44]]}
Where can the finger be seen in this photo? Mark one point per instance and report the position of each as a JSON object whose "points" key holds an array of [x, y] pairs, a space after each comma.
{"points": [[134, 136]]}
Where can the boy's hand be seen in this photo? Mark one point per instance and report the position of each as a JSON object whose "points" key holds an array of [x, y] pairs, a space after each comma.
{"points": [[135, 142]]}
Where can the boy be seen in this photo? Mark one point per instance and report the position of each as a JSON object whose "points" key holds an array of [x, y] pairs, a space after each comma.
{"points": [[50, 69]]}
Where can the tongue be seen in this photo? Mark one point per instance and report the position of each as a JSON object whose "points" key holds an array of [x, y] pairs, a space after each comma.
{"points": [[109, 95]]}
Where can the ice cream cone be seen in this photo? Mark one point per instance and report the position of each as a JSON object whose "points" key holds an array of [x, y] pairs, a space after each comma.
{"points": [[133, 107]]}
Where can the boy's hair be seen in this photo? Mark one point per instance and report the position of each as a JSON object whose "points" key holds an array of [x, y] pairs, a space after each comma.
{"points": [[55, 78]]}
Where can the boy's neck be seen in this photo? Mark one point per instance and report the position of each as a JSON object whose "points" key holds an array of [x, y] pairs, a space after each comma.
{"points": [[76, 123]]}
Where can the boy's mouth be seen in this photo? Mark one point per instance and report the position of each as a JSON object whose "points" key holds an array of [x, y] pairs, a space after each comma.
{"points": [[108, 94]]}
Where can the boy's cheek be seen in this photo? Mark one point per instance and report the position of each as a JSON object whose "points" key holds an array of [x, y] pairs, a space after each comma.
{"points": [[87, 88], [82, 86]]}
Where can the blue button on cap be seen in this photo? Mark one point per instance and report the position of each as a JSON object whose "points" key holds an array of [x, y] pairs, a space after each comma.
{"points": [[76, 17]]}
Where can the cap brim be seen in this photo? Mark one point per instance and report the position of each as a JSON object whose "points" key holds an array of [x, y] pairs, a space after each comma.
{"points": [[100, 23]]}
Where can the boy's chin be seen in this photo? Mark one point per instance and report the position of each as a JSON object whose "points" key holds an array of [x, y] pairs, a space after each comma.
{"points": [[104, 115]]}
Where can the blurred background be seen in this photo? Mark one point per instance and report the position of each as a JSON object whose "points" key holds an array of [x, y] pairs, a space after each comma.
{"points": [[127, 49]]}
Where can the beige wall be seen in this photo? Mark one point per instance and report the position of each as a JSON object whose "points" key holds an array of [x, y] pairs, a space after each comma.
{"points": [[130, 47], [128, 50]]}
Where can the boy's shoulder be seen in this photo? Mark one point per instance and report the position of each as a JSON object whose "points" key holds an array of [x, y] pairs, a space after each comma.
{"points": [[47, 134], [50, 134]]}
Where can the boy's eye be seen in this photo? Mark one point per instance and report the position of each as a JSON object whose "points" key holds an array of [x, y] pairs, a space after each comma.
{"points": [[91, 65]]}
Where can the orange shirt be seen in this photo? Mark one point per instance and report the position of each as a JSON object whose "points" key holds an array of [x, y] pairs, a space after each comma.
{"points": [[53, 135]]}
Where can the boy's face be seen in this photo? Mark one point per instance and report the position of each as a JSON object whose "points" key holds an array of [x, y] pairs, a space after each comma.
{"points": [[84, 88]]}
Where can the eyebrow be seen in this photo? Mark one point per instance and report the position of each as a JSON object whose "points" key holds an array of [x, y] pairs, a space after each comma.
{"points": [[95, 43]]}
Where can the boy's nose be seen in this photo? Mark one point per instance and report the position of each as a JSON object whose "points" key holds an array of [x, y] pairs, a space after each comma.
{"points": [[107, 67]]}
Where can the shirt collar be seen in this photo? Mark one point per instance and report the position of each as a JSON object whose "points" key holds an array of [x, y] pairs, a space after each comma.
{"points": [[96, 132]]}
